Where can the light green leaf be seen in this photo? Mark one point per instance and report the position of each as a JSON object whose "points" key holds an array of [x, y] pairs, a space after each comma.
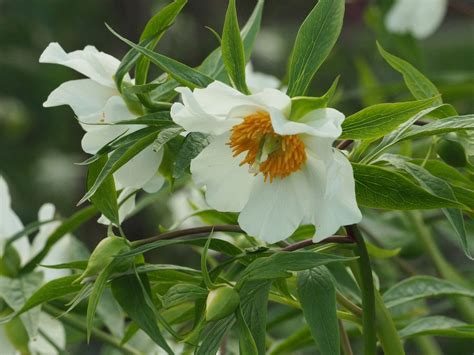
{"points": [[438, 326], [317, 296], [438, 187], [418, 84], [380, 253], [246, 342], [150, 36], [105, 198], [181, 293], [280, 264], [233, 49], [378, 120], [118, 159], [385, 189], [419, 287], [69, 225], [443, 171], [111, 314], [315, 40], [128, 292], [165, 136], [445, 125], [194, 143], [301, 105], [213, 335], [183, 74]]}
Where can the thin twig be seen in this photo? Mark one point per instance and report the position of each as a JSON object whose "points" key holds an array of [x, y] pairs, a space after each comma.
{"points": [[345, 343]]}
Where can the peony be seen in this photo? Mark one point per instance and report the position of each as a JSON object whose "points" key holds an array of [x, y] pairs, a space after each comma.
{"points": [[278, 173]]}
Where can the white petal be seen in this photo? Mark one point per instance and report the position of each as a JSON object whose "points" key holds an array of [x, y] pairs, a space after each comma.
{"points": [[96, 65], [7, 347], [325, 122], [333, 198], [10, 224], [95, 139], [275, 209], [45, 213], [114, 110], [140, 169], [84, 96], [227, 184], [218, 107], [125, 208], [420, 18], [257, 82], [55, 332]]}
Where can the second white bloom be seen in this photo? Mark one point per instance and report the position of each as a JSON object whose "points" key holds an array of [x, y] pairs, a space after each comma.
{"points": [[278, 173]]}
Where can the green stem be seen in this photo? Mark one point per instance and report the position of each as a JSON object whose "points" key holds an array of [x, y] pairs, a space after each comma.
{"points": [[386, 330], [427, 345], [444, 269], [80, 325], [364, 275]]}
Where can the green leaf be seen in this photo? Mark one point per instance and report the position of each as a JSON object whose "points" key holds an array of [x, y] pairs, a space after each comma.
{"points": [[440, 188], [117, 159], [315, 40], [128, 292], [378, 120], [443, 171], [317, 296], [247, 344], [253, 303], [213, 335], [372, 91], [181, 293], [233, 49], [385, 189], [155, 28], [445, 125], [183, 74], [105, 198], [279, 264], [438, 326], [193, 145], [68, 226], [205, 272], [301, 105], [380, 253], [418, 84], [419, 287], [150, 36], [165, 136]]}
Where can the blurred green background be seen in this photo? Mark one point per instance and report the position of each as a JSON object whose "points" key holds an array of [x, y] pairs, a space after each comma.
{"points": [[39, 146]]}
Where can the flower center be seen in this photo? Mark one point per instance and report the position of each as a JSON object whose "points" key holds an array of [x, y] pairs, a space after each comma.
{"points": [[267, 152]]}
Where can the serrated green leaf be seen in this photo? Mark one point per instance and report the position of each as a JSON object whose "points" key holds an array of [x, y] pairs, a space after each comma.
{"points": [[301, 105], [440, 188], [419, 287], [315, 40], [438, 326], [380, 188], [194, 143], [128, 292], [69, 225], [118, 159], [233, 49], [418, 84], [378, 120], [317, 296], [182, 73], [105, 198]]}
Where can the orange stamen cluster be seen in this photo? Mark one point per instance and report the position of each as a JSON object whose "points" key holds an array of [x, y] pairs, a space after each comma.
{"points": [[248, 136]]}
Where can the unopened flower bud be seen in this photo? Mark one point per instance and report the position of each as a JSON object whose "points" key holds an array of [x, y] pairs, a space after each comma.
{"points": [[221, 302]]}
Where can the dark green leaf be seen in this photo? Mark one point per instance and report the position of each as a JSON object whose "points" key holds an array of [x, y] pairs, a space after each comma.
{"points": [[378, 120], [419, 287], [246, 342], [165, 136], [105, 198], [181, 293], [213, 335], [385, 189], [233, 49], [317, 295], [315, 40], [128, 292], [193, 145]]}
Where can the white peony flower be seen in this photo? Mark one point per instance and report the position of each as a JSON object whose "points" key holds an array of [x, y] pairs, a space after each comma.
{"points": [[421, 18], [277, 173], [59, 253], [96, 100]]}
